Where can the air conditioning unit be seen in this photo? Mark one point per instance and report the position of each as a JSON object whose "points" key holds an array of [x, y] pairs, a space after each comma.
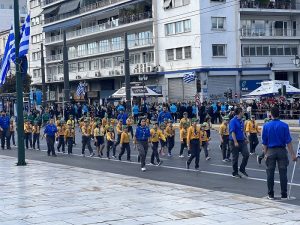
{"points": [[117, 72], [55, 78], [142, 68], [136, 69], [78, 77], [111, 72], [61, 78], [150, 68], [98, 74], [122, 70], [49, 79]]}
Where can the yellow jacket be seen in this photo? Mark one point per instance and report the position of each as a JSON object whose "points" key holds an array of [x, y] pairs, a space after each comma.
{"points": [[192, 134], [183, 134], [156, 134], [252, 127], [223, 130], [125, 138]]}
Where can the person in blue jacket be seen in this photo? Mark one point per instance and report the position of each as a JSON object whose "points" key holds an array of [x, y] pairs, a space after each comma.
{"points": [[49, 133], [122, 116], [135, 112], [4, 127], [164, 115], [173, 110]]}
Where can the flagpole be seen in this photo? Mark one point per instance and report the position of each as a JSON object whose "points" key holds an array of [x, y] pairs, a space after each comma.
{"points": [[19, 88]]}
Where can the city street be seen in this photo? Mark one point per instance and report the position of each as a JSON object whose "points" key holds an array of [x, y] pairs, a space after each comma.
{"points": [[213, 174]]}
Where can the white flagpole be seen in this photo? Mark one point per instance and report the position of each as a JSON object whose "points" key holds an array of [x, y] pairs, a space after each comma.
{"points": [[293, 173]]}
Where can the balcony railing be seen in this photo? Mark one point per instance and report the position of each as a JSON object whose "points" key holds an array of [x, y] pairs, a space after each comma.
{"points": [[101, 27], [103, 50], [82, 10], [52, 58], [47, 2], [252, 4], [277, 32]]}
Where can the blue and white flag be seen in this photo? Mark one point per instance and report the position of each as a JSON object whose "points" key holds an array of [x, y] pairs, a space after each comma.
{"points": [[25, 35], [8, 53], [80, 89], [189, 77]]}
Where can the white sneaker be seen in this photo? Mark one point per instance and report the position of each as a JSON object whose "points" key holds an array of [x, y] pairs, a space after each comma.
{"points": [[181, 156], [208, 158], [143, 169], [189, 155]]}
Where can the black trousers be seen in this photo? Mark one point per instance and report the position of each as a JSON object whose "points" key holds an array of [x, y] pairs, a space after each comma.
{"points": [[5, 137], [130, 130], [50, 144], [155, 154], [253, 141], [195, 152], [12, 137], [61, 143], [70, 145], [28, 138], [225, 147], [116, 144], [242, 148], [109, 145], [125, 146], [170, 142], [36, 139], [279, 156], [86, 141], [182, 146]]}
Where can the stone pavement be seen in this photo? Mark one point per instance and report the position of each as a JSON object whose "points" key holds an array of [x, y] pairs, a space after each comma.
{"points": [[45, 193]]}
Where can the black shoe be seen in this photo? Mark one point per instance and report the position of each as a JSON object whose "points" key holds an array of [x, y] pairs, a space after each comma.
{"points": [[119, 158], [54, 155], [271, 197], [236, 175], [284, 197], [244, 173], [187, 165], [160, 162], [259, 159]]}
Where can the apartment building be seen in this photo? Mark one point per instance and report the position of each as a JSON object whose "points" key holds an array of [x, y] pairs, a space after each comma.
{"points": [[227, 44]]}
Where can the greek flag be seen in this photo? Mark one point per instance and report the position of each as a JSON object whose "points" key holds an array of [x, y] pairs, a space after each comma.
{"points": [[8, 54], [189, 77], [25, 35], [80, 89]]}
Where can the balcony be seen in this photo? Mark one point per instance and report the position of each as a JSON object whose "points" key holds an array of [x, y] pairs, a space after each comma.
{"points": [[82, 10], [48, 2], [279, 4], [112, 48], [100, 28], [54, 58], [278, 33]]}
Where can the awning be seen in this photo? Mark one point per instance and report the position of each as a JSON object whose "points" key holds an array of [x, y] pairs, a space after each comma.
{"points": [[62, 25], [137, 91], [69, 7], [50, 10]]}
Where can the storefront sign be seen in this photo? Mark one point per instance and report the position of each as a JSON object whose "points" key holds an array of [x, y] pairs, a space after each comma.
{"points": [[156, 88], [139, 90], [250, 85], [92, 94]]}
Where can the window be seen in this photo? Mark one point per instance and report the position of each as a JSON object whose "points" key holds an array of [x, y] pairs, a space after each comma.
{"points": [[72, 52], [269, 50], [135, 58], [81, 50], [170, 54], [116, 43], [83, 66], [183, 26], [73, 67], [104, 46], [219, 50], [36, 38], [218, 23], [169, 4], [188, 52], [94, 65], [148, 57], [118, 60], [36, 73], [36, 56], [178, 53], [106, 63], [92, 48]]}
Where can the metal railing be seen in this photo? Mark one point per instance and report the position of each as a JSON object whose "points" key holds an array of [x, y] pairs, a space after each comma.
{"points": [[103, 50], [252, 4], [276, 32], [47, 2], [101, 27], [81, 10]]}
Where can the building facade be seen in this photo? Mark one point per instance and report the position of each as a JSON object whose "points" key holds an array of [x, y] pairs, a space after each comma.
{"points": [[226, 44]]}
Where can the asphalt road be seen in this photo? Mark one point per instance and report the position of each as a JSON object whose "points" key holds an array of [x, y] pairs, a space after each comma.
{"points": [[214, 174]]}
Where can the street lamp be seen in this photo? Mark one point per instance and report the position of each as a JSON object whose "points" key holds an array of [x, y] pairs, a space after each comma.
{"points": [[296, 61], [143, 78]]}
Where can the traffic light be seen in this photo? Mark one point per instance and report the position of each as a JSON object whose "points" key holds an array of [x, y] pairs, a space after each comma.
{"points": [[284, 90], [280, 91], [225, 94], [230, 94]]}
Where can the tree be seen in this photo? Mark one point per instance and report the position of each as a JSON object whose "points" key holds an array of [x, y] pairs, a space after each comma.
{"points": [[10, 84]]}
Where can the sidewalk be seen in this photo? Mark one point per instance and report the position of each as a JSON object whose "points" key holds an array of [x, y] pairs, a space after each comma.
{"points": [[43, 193]]}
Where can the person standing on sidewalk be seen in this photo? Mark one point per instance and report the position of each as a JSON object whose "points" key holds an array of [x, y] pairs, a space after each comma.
{"points": [[224, 136], [275, 137], [142, 138], [193, 143], [49, 133], [238, 143], [4, 127], [252, 131]]}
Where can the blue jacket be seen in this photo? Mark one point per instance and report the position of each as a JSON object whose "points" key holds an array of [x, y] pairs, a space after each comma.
{"points": [[135, 110], [164, 116], [122, 117], [120, 108], [173, 108], [142, 133], [50, 130], [4, 122], [236, 125]]}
